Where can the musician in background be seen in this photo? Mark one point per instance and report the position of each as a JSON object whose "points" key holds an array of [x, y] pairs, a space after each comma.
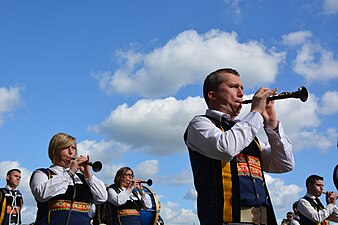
{"points": [[311, 210], [228, 160], [127, 197], [63, 194], [11, 200]]}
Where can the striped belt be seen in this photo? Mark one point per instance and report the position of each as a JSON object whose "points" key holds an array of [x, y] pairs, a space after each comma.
{"points": [[255, 215], [65, 205]]}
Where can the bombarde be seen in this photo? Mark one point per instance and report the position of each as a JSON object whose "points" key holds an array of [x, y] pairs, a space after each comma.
{"points": [[149, 182], [96, 166], [301, 93]]}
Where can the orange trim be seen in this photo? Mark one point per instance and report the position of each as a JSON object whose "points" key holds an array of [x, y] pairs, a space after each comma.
{"points": [[128, 212], [65, 205]]}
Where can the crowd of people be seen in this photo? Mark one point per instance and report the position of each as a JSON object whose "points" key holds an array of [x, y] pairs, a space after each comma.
{"points": [[228, 163]]}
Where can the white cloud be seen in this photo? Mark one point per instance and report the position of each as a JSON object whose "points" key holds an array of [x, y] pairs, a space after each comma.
{"points": [[330, 6], [9, 99], [173, 215], [155, 126], [235, 9], [187, 59], [105, 151], [296, 38], [316, 63], [282, 195], [147, 169], [191, 194], [329, 103]]}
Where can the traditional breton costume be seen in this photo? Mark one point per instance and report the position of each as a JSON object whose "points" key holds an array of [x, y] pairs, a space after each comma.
{"points": [[128, 213], [11, 202], [73, 205], [317, 205], [235, 191]]}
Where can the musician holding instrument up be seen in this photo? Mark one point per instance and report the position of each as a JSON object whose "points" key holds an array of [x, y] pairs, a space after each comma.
{"points": [[311, 210], [127, 197], [228, 160], [65, 190]]}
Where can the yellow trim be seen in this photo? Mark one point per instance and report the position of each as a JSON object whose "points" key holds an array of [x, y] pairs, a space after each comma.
{"points": [[3, 207], [256, 141], [227, 192]]}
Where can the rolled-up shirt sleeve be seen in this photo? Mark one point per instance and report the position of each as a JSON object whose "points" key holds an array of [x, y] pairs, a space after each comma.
{"points": [[277, 155], [98, 190]]}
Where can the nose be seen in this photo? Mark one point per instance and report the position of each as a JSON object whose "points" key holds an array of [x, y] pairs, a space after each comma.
{"points": [[240, 92]]}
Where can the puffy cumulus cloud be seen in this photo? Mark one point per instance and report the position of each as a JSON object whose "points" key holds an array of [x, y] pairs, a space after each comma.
{"points": [[174, 215], [148, 168], [191, 194], [9, 99], [186, 59], [329, 103], [330, 6], [296, 38], [29, 209], [322, 140], [105, 151], [316, 63], [154, 125], [282, 195]]}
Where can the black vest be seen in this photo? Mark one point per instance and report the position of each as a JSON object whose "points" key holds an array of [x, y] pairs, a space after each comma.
{"points": [[220, 194]]}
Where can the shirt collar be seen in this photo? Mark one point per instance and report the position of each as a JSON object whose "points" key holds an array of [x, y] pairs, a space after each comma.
{"points": [[58, 169], [218, 115], [310, 196], [9, 188]]}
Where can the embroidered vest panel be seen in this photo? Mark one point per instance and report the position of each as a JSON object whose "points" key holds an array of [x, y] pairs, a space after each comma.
{"points": [[55, 211]]}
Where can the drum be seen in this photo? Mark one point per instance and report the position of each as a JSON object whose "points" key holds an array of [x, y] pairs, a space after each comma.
{"points": [[151, 216], [335, 176]]}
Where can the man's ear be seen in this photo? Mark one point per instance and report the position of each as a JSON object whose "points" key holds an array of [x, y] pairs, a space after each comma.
{"points": [[211, 95]]}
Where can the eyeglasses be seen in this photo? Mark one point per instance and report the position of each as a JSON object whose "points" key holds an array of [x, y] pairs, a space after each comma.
{"points": [[129, 175]]}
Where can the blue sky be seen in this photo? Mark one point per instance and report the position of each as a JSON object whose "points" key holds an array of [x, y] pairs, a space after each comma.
{"points": [[125, 78]]}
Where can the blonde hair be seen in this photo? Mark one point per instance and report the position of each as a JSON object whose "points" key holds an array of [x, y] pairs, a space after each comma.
{"points": [[58, 142]]}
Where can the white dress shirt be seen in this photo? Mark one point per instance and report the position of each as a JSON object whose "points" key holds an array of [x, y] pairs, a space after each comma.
{"points": [[124, 195], [207, 139], [44, 189], [329, 212]]}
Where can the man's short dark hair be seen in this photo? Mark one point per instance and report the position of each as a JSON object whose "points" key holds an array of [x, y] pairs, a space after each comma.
{"points": [[312, 179], [213, 80], [11, 170]]}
